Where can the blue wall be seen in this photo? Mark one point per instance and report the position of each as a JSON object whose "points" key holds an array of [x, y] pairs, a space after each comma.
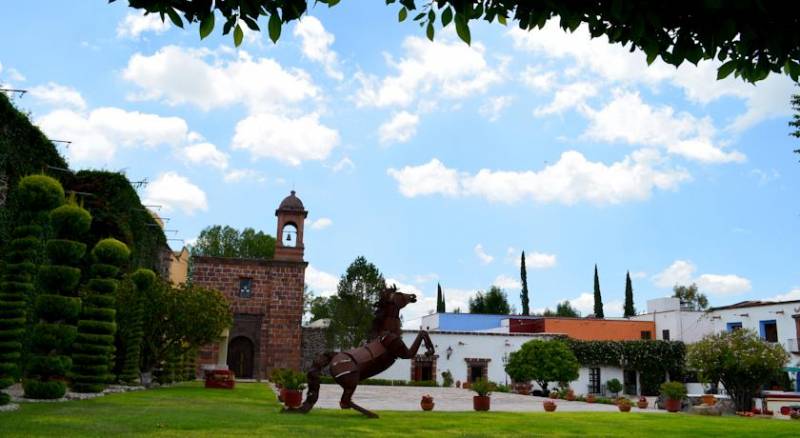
{"points": [[464, 322]]}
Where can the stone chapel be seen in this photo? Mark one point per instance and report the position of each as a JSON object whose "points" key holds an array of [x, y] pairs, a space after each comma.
{"points": [[266, 297]]}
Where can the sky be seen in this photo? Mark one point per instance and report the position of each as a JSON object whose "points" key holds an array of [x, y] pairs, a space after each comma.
{"points": [[439, 162]]}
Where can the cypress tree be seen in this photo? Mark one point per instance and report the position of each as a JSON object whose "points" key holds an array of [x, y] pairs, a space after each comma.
{"points": [[439, 299], [523, 273], [130, 311], [58, 306], [629, 309], [94, 344], [38, 195], [598, 300], [444, 305]]}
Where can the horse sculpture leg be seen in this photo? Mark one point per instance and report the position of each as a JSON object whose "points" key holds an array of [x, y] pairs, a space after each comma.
{"points": [[349, 385], [399, 348]]}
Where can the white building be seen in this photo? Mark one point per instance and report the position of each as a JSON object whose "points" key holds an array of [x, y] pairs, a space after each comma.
{"points": [[675, 322]]}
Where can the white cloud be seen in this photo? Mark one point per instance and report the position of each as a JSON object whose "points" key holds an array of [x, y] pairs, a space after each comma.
{"points": [[626, 118], [482, 255], [494, 106], [322, 283], [505, 282], [450, 69], [413, 312], [212, 80], [533, 259], [97, 135], [320, 224], [639, 274], [584, 303], [239, 175], [134, 25], [58, 95], [569, 96], [400, 129], [570, 180], [205, 154], [344, 164], [792, 295], [764, 177], [11, 74], [425, 278], [316, 45], [682, 272], [536, 80], [175, 192], [288, 140]]}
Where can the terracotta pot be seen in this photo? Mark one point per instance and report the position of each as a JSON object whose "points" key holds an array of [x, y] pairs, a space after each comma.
{"points": [[523, 388], [590, 398], [292, 398], [549, 406], [481, 402], [624, 407], [281, 393], [672, 405], [642, 404], [466, 385], [708, 399], [570, 396], [426, 405], [553, 395], [786, 410]]}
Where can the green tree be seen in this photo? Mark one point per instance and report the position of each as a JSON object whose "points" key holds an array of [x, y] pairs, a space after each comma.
{"points": [[494, 302], [740, 359], [629, 310], [598, 299], [755, 38], [57, 306], [94, 345], [352, 306], [690, 297], [543, 362], [319, 308], [440, 306], [563, 309], [225, 241], [523, 297], [38, 195], [130, 308], [795, 122]]}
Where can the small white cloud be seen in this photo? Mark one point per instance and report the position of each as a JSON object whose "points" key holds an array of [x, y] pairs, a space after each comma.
{"points": [[494, 106], [399, 129], [792, 295], [425, 278], [426, 179], [682, 272], [58, 95], [175, 192], [205, 154], [638, 275], [533, 259], [134, 25], [505, 282], [345, 164], [765, 177], [482, 255], [536, 80], [320, 224], [679, 272], [288, 140], [584, 303], [322, 283], [567, 97], [316, 45], [239, 175]]}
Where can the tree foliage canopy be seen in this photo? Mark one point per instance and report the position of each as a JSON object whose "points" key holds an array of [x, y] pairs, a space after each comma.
{"points": [[752, 37], [225, 241], [563, 309], [351, 309], [493, 302], [740, 360], [690, 297], [543, 362]]}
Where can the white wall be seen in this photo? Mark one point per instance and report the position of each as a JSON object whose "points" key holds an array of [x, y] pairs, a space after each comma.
{"points": [[686, 326], [750, 317]]}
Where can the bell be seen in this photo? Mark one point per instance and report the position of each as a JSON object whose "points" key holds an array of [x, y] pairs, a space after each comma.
{"points": [[288, 237]]}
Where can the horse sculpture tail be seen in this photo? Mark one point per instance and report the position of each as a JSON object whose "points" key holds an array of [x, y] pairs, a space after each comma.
{"points": [[313, 380]]}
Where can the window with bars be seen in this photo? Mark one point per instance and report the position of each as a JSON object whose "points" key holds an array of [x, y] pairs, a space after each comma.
{"points": [[245, 287], [594, 380]]}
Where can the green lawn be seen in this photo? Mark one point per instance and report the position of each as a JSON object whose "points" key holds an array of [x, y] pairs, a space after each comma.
{"points": [[251, 410]]}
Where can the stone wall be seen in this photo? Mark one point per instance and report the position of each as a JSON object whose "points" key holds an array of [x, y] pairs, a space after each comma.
{"points": [[314, 344]]}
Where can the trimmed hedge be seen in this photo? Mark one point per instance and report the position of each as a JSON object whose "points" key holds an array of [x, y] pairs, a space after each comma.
{"points": [[55, 332], [129, 309], [40, 194], [91, 354], [386, 382]]}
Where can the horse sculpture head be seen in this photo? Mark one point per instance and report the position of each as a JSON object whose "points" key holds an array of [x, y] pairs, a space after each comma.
{"points": [[387, 310]]}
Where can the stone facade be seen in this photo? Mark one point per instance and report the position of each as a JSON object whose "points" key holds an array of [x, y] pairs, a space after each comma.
{"points": [[313, 344], [266, 298]]}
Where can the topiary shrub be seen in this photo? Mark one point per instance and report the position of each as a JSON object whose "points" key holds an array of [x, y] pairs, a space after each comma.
{"points": [[57, 305], [129, 319], [38, 194], [94, 345]]}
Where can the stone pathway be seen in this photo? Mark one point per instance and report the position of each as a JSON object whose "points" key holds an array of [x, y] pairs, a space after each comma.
{"points": [[407, 398]]}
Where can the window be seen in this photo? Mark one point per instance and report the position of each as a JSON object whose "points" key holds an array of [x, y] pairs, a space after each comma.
{"points": [[475, 372], [769, 330], [245, 287], [665, 335], [646, 334], [734, 326], [594, 380]]}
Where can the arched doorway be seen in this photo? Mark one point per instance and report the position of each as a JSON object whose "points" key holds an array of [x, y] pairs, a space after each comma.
{"points": [[240, 357]]}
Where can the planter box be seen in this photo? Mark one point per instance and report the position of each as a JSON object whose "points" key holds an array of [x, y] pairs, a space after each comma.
{"points": [[481, 402], [220, 379]]}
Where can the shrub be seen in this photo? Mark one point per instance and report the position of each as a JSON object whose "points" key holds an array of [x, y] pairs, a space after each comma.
{"points": [[129, 302], [447, 379], [482, 386], [54, 333], [614, 386], [543, 362], [673, 390], [293, 380], [40, 193]]}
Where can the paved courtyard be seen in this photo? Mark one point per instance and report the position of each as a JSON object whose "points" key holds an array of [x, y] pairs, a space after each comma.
{"points": [[407, 398]]}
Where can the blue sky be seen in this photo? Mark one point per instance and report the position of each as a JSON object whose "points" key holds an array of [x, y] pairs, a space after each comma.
{"points": [[437, 161]]}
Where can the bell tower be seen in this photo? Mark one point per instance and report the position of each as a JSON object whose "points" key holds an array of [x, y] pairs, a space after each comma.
{"points": [[289, 238]]}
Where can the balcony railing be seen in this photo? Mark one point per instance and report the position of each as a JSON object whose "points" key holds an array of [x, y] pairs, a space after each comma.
{"points": [[793, 345]]}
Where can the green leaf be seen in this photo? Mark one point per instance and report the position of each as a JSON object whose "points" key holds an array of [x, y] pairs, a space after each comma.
{"points": [[726, 69], [502, 19], [207, 25], [274, 27], [238, 36], [176, 19], [402, 15], [462, 28], [430, 30], [447, 17]]}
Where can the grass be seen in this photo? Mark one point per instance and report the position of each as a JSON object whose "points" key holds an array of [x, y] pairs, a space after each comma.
{"points": [[252, 410]]}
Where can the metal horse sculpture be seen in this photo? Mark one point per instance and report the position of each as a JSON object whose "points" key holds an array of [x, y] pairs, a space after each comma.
{"points": [[385, 345]]}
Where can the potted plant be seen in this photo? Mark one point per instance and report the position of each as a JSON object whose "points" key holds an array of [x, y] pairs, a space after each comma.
{"points": [[590, 398], [614, 386], [549, 406], [624, 404], [642, 403], [483, 388], [673, 392], [553, 395], [709, 399], [426, 403], [293, 385], [522, 388], [570, 395]]}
